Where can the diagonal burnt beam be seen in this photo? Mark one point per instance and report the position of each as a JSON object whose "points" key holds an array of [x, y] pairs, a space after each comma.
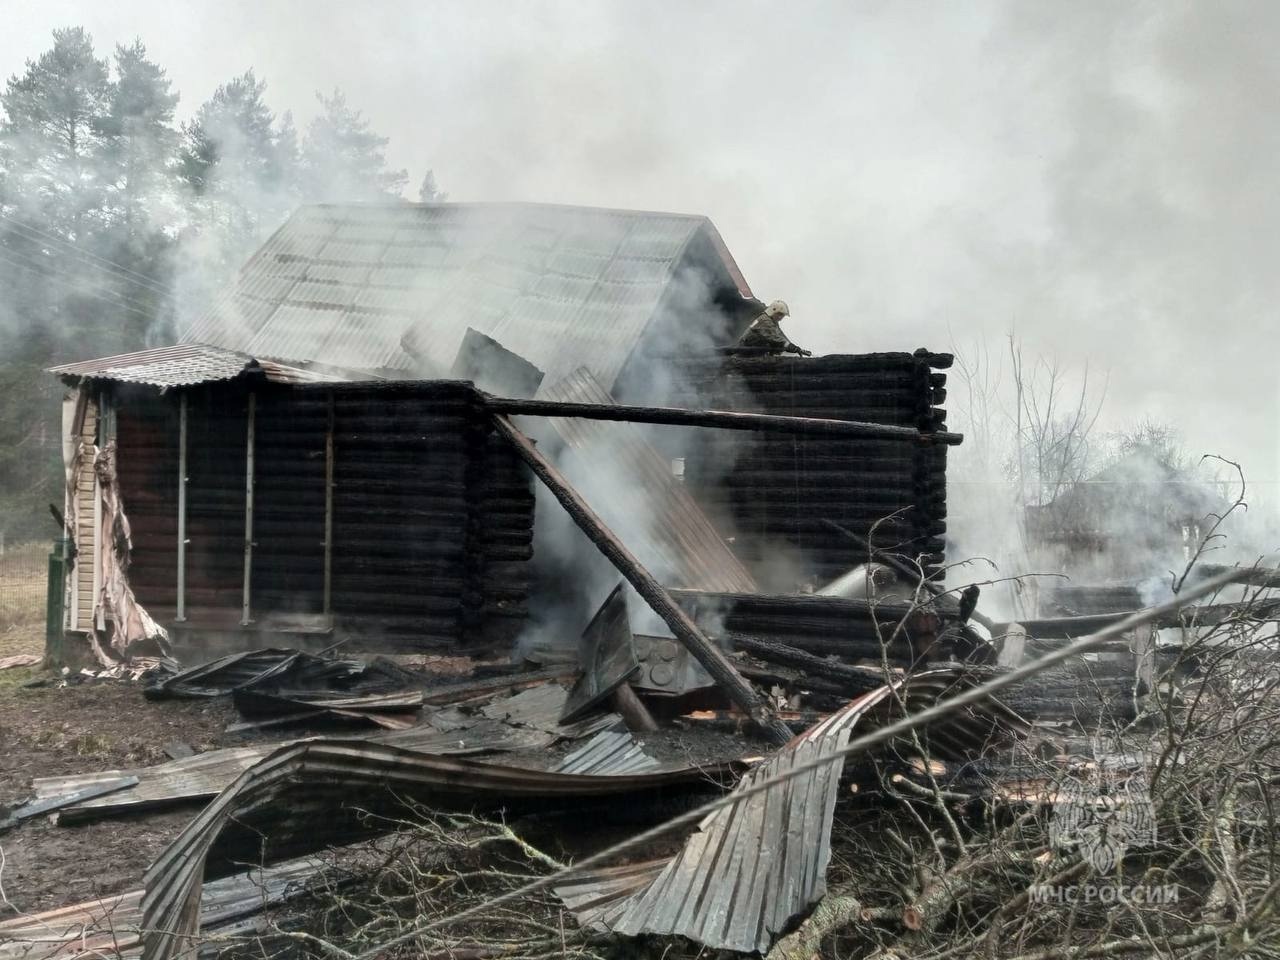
{"points": [[679, 622], [724, 419]]}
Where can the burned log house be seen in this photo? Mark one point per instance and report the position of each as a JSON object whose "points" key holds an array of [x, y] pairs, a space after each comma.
{"points": [[327, 454]]}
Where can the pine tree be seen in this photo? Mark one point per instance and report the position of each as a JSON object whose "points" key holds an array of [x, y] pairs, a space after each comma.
{"points": [[342, 159], [231, 138], [141, 139], [429, 191], [53, 145], [51, 151], [241, 171], [52, 134]]}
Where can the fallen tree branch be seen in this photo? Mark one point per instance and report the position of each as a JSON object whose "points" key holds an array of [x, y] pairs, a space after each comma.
{"points": [[882, 735]]}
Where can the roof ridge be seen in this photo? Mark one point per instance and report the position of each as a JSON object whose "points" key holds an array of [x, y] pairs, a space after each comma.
{"points": [[496, 204]]}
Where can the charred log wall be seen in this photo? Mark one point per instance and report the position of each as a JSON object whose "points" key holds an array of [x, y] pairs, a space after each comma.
{"points": [[432, 514], [503, 515], [853, 630], [147, 440], [287, 573], [769, 489], [147, 469], [1072, 600]]}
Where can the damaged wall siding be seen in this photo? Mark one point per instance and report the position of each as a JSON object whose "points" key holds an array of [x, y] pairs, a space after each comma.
{"points": [[432, 516], [115, 603], [780, 487], [83, 509]]}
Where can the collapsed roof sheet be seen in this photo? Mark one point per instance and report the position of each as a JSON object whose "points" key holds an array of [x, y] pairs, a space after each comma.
{"points": [[756, 863], [633, 488], [207, 774], [307, 796], [396, 285], [111, 926]]}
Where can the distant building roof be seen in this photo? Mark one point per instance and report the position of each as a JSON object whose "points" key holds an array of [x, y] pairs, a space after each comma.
{"points": [[394, 286], [1138, 502], [1136, 475]]}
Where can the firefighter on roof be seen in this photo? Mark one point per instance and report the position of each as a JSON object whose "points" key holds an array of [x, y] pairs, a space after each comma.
{"points": [[765, 332]]}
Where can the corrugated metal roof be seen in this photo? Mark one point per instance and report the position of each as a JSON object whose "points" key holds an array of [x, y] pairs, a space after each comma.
{"points": [[305, 797], [178, 366], [753, 865], [188, 364], [396, 286], [610, 753], [207, 774], [111, 926], [633, 488]]}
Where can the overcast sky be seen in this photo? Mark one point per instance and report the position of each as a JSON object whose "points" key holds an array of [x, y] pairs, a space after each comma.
{"points": [[1100, 179]]}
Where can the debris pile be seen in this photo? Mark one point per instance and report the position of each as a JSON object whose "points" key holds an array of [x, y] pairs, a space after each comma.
{"points": [[740, 653]]}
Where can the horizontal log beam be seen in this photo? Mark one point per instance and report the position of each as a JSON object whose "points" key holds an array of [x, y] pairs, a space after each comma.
{"points": [[1190, 616], [722, 419]]}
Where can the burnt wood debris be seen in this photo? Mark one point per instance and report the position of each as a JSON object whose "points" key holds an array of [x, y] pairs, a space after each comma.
{"points": [[563, 551]]}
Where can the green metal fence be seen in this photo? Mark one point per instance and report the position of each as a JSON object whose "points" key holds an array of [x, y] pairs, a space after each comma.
{"points": [[55, 599]]}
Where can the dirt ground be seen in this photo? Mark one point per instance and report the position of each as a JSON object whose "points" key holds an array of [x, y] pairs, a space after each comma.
{"points": [[52, 730], [106, 725]]}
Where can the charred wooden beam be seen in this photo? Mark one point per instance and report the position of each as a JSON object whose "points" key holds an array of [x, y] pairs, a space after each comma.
{"points": [[1251, 576], [801, 605], [327, 602], [1209, 615], [723, 419], [181, 613], [245, 617], [849, 677], [633, 711], [679, 622]]}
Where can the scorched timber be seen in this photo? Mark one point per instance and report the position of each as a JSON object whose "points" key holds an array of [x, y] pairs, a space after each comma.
{"points": [[680, 623], [1068, 627], [724, 419], [855, 680]]}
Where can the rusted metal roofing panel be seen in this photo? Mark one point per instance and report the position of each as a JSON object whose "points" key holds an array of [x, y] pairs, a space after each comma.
{"points": [[633, 488], [311, 795], [753, 865], [559, 285]]}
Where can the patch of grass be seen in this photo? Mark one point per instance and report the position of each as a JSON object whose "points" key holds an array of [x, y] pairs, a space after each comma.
{"points": [[22, 638], [47, 737], [91, 744], [24, 577], [15, 677]]}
